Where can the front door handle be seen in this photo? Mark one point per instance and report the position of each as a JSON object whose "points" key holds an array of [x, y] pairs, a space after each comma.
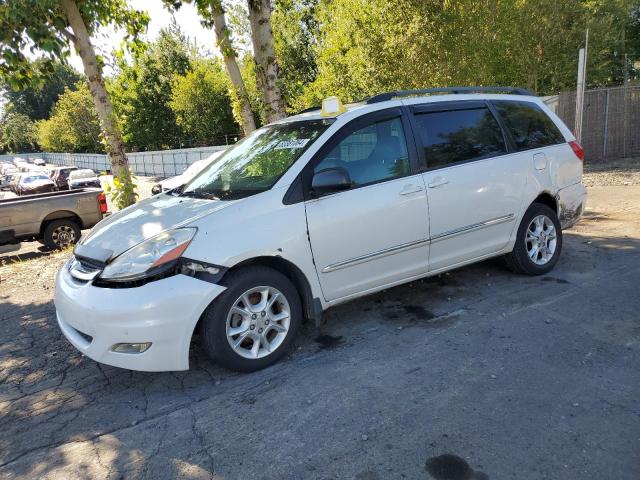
{"points": [[409, 189], [438, 182]]}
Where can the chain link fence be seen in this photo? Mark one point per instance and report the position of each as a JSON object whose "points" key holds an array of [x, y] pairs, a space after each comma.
{"points": [[610, 124]]}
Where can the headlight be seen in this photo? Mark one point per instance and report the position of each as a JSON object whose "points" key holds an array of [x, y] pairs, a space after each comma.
{"points": [[149, 257]]}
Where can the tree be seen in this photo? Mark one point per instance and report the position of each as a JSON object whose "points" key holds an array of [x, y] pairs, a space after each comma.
{"points": [[73, 125], [37, 100], [17, 133], [142, 91], [213, 14], [201, 103], [295, 31], [49, 27], [267, 69]]}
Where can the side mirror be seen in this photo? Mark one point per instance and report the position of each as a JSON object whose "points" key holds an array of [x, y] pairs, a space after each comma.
{"points": [[330, 180]]}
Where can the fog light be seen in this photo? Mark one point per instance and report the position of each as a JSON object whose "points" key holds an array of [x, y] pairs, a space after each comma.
{"points": [[131, 347]]}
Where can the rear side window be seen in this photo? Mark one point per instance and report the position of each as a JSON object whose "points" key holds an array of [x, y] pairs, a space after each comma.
{"points": [[529, 126], [459, 135]]}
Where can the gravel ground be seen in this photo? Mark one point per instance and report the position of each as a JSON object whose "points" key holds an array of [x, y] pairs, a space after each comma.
{"points": [[620, 172], [477, 370]]}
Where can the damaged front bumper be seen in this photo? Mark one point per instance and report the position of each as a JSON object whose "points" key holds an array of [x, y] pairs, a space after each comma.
{"points": [[163, 313]]}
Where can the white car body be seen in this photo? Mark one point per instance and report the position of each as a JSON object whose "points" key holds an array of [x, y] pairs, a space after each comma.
{"points": [[342, 246], [191, 171]]}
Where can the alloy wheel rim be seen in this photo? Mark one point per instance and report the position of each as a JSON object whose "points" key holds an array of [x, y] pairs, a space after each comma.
{"points": [[541, 240], [258, 322], [63, 236]]}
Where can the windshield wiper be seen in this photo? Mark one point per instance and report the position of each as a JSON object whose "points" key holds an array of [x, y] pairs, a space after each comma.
{"points": [[199, 194]]}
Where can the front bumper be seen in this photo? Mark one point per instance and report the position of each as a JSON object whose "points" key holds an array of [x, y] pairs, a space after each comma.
{"points": [[572, 201], [164, 312]]}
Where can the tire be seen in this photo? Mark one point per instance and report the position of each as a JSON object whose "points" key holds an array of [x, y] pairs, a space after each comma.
{"points": [[254, 323], [522, 259], [60, 234]]}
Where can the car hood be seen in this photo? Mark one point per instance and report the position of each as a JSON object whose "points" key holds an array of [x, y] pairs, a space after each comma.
{"points": [[147, 218], [37, 184]]}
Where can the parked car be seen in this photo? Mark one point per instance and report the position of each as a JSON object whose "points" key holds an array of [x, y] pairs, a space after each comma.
{"points": [[179, 180], [13, 181], [40, 162], [17, 160], [5, 165], [6, 176], [55, 219], [83, 178], [318, 209], [32, 183], [60, 176]]}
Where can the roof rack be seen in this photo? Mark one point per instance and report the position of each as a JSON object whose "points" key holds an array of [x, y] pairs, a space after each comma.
{"points": [[382, 97]]}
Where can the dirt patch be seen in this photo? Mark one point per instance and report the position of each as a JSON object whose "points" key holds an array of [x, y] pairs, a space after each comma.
{"points": [[617, 172]]}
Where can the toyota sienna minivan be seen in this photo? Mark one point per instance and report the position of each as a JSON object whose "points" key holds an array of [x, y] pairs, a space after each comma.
{"points": [[318, 209]]}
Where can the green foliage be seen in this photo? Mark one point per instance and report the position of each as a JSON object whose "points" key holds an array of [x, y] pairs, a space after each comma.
{"points": [[36, 100], [364, 46], [201, 104], [122, 190], [40, 26], [17, 133], [142, 91], [73, 125], [295, 31]]}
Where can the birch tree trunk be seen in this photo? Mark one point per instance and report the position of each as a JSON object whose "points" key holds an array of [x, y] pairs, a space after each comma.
{"points": [[93, 71], [267, 70], [223, 38]]}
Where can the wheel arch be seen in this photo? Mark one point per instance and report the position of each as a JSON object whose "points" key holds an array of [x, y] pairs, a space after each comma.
{"points": [[59, 215], [310, 306], [547, 199]]}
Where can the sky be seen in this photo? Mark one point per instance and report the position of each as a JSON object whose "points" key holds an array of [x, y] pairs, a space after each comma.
{"points": [[186, 17]]}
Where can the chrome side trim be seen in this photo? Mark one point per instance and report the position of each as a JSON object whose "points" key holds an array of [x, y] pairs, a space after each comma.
{"points": [[406, 246], [469, 228], [370, 256]]}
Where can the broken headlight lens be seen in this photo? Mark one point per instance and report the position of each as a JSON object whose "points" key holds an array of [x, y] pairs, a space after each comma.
{"points": [[149, 257]]}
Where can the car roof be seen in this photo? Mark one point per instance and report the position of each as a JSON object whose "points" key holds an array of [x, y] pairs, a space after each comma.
{"points": [[413, 97]]}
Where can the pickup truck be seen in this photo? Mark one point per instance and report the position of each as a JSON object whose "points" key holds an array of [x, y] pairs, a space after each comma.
{"points": [[55, 219]]}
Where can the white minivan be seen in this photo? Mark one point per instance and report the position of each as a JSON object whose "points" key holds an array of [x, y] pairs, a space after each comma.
{"points": [[317, 209]]}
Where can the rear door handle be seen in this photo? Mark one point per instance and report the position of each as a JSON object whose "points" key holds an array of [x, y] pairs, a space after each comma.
{"points": [[438, 182], [409, 189]]}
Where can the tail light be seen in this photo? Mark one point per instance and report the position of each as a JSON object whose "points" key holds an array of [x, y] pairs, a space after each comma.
{"points": [[102, 203], [578, 150]]}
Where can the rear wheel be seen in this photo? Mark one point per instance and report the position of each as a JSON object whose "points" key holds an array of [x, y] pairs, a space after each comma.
{"points": [[252, 324], [538, 243], [61, 234]]}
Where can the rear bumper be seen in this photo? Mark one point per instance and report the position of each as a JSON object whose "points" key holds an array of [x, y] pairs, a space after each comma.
{"points": [[164, 313], [572, 201]]}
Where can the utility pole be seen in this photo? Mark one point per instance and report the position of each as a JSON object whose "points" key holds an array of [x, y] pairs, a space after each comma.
{"points": [[582, 79]]}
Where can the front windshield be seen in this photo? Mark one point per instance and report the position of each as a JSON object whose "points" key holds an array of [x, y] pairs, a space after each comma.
{"points": [[256, 163], [35, 177]]}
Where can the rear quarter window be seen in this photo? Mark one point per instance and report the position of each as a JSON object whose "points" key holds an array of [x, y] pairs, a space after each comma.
{"points": [[528, 124]]}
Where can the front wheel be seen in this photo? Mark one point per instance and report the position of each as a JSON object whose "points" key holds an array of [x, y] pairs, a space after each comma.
{"points": [[252, 324], [538, 242]]}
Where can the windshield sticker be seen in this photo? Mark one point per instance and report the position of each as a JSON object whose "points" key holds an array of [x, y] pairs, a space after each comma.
{"points": [[291, 144]]}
